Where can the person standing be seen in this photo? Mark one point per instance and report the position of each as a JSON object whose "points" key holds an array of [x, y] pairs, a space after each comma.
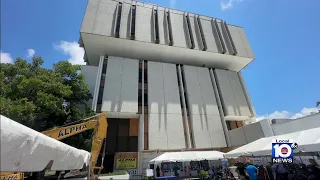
{"points": [[158, 171], [252, 171], [241, 171]]}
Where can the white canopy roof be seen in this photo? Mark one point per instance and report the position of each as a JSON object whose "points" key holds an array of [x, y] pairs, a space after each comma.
{"points": [[26, 150], [188, 156], [307, 140]]}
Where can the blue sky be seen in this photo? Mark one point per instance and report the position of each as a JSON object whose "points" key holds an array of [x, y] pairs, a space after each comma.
{"points": [[283, 81]]}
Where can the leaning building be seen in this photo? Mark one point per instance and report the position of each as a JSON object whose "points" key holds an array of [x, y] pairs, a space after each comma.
{"points": [[168, 80]]}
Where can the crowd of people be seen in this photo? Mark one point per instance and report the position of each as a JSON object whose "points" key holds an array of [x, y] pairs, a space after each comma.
{"points": [[248, 171]]}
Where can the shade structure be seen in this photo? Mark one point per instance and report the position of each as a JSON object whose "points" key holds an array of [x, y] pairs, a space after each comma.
{"points": [[307, 140], [26, 150], [187, 156]]}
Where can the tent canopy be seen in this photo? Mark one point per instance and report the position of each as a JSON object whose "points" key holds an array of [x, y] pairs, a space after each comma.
{"points": [[188, 156], [26, 150], [307, 140]]}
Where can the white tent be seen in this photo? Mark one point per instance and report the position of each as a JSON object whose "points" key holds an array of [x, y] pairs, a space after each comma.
{"points": [[187, 156], [307, 140], [26, 150]]}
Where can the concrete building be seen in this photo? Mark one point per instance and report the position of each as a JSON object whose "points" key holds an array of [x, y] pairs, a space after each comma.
{"points": [[267, 128], [168, 80]]}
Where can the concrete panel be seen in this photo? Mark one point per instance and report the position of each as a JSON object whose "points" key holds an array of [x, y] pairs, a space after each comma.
{"points": [[208, 96], [129, 86], [237, 137], [201, 131], [193, 90], [143, 24], [105, 18], [195, 32], [125, 21], [237, 40], [225, 91], [309, 122], [253, 132], [155, 88], [171, 89], [161, 21], [90, 75], [89, 16], [208, 35], [178, 30], [242, 103], [112, 87], [175, 131], [216, 132], [224, 38], [245, 42], [232, 94], [158, 138]]}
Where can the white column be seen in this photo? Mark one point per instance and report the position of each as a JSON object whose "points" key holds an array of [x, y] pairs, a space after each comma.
{"points": [[141, 126], [97, 86]]}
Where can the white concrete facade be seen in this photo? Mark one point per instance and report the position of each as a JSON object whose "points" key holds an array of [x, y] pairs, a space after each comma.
{"points": [[175, 35], [264, 128], [203, 109], [234, 101], [165, 116], [120, 94], [190, 93]]}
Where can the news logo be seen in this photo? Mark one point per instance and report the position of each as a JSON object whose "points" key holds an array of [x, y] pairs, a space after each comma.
{"points": [[283, 150]]}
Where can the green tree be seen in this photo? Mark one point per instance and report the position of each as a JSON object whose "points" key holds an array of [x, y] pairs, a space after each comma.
{"points": [[43, 98], [318, 103]]}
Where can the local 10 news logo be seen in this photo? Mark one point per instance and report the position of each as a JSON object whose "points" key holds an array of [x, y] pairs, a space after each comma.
{"points": [[283, 150]]}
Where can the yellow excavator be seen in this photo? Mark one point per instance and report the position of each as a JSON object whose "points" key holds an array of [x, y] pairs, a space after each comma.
{"points": [[98, 123]]}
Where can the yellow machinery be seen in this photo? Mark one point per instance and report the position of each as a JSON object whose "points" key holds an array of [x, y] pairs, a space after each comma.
{"points": [[98, 123]]}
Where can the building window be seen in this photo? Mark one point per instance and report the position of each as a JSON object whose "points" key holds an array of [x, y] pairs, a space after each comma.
{"points": [[117, 34], [156, 26], [190, 32], [169, 29], [133, 21], [204, 48]]}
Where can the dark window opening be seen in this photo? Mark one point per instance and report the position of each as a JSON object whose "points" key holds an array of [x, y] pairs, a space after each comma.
{"points": [[117, 34], [202, 35], [190, 32], [104, 69], [169, 29], [145, 99], [156, 26], [100, 96], [145, 76], [133, 22], [139, 97], [140, 75], [228, 125]]}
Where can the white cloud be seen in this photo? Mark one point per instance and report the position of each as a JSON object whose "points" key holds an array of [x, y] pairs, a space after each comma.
{"points": [[6, 58], [173, 3], [288, 115], [71, 49], [229, 4], [30, 53]]}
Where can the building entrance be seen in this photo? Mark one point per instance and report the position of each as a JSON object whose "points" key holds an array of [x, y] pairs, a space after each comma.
{"points": [[122, 136]]}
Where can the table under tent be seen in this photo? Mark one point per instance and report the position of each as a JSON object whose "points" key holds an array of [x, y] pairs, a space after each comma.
{"points": [[188, 162], [308, 145]]}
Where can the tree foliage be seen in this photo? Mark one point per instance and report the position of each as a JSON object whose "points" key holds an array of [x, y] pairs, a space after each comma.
{"points": [[43, 98]]}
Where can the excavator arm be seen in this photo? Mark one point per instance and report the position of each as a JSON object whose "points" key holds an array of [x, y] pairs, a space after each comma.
{"points": [[98, 123]]}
